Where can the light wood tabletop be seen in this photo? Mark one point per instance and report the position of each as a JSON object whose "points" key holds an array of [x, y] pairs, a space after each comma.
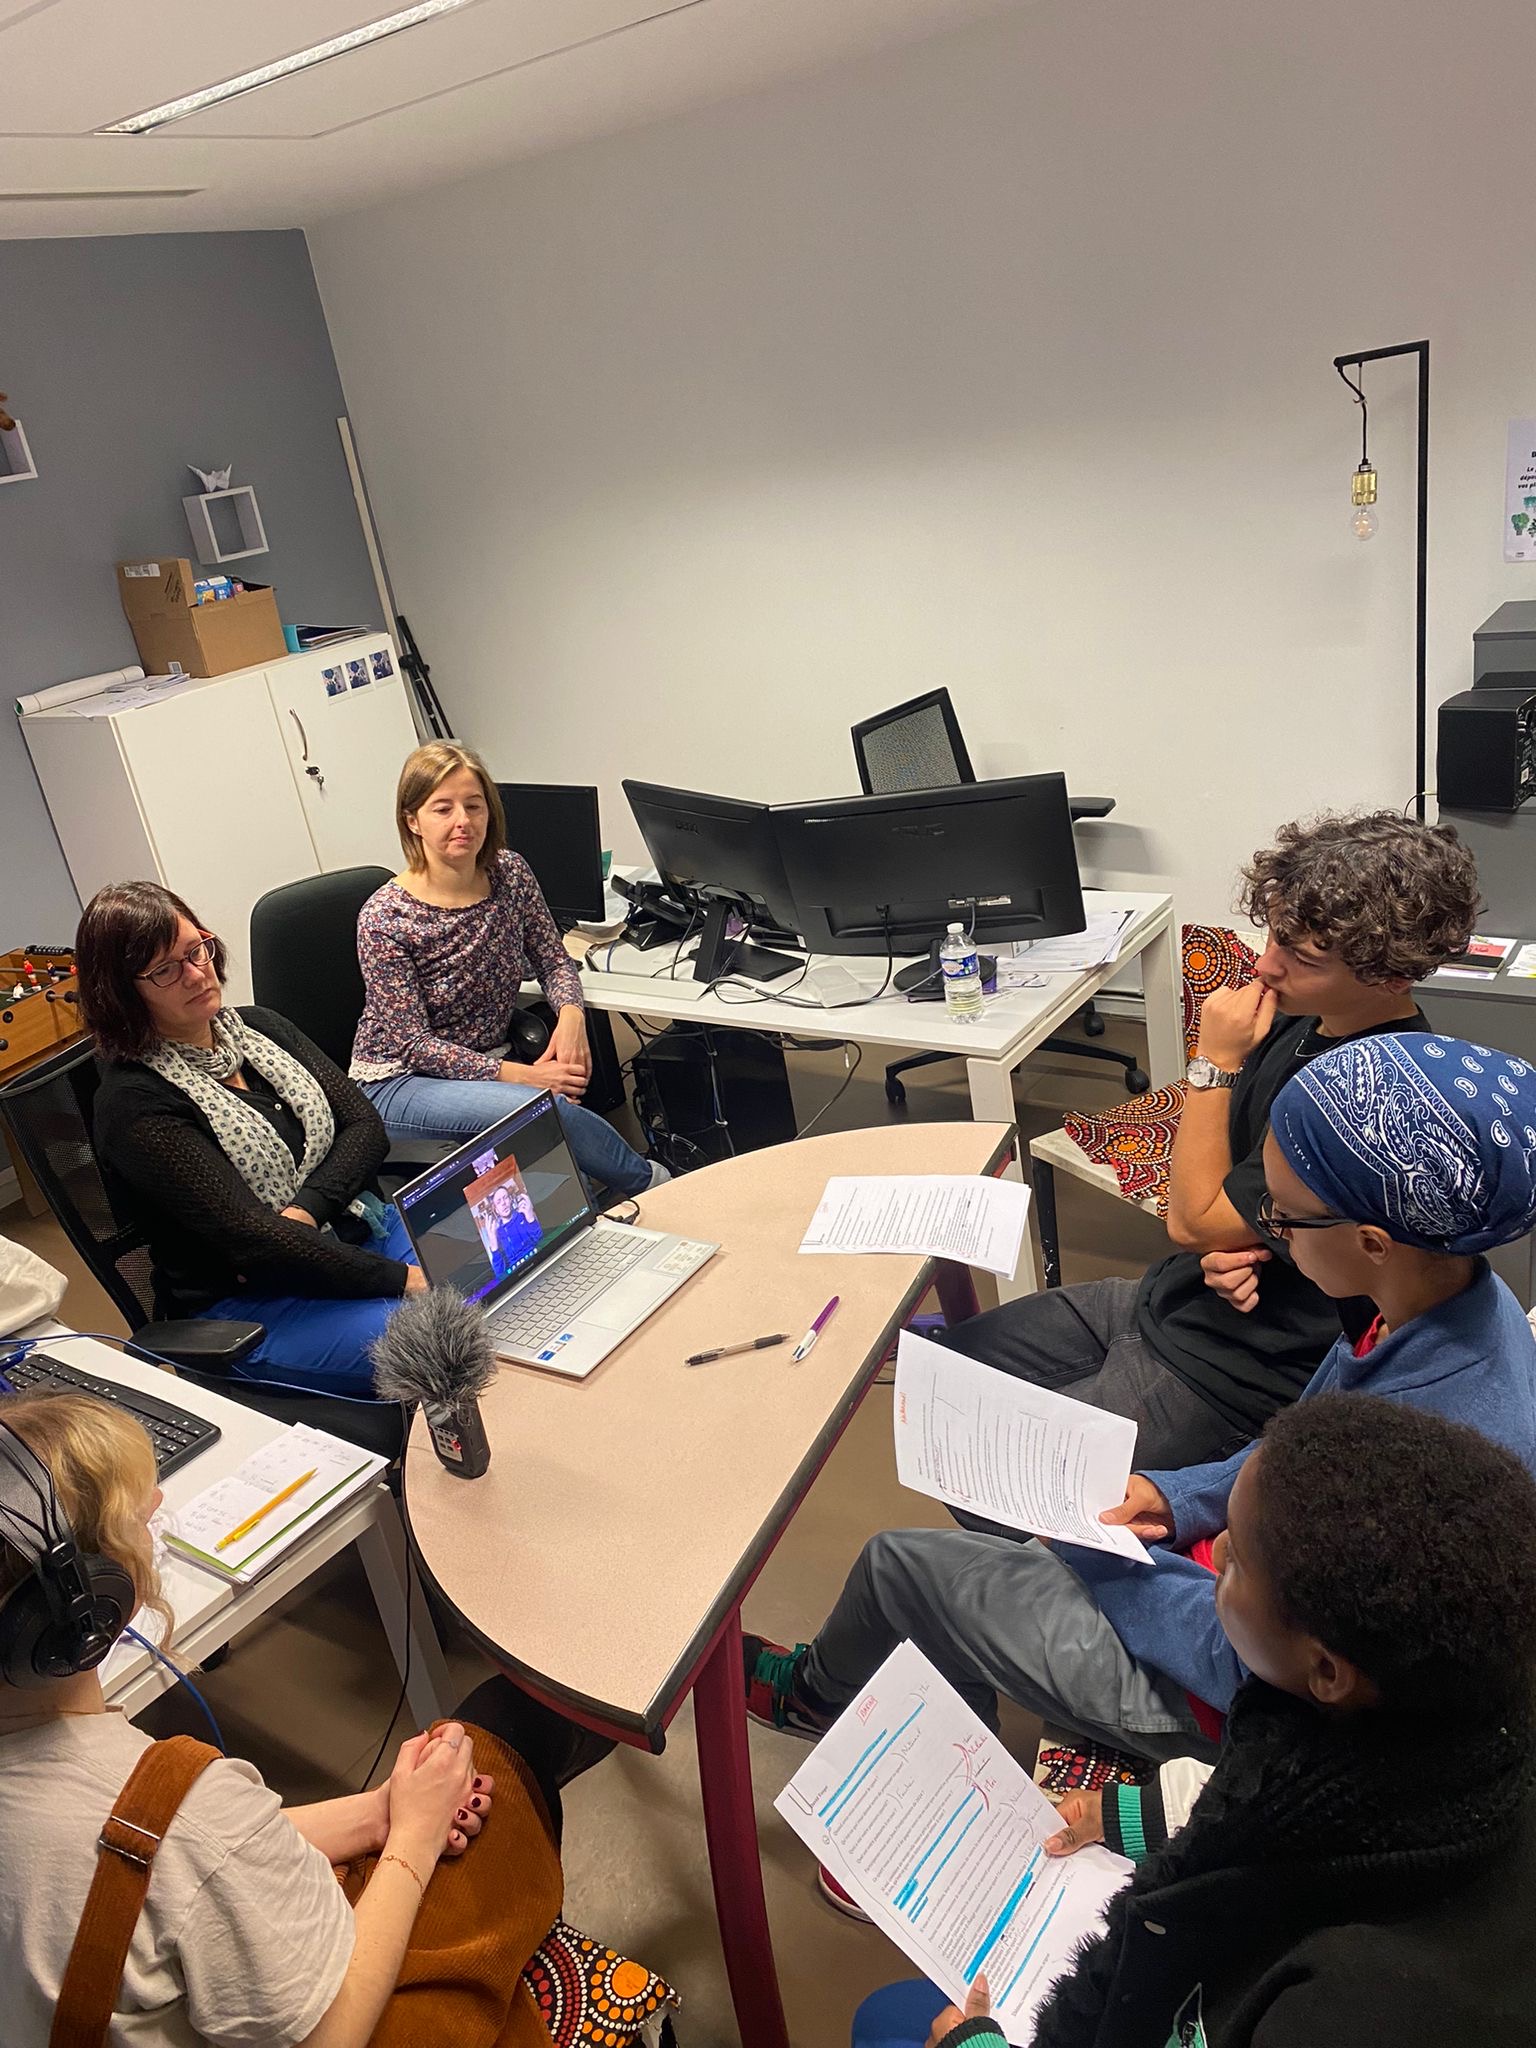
{"points": [[623, 1517]]}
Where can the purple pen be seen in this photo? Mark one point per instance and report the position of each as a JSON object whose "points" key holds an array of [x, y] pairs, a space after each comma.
{"points": [[807, 1342]]}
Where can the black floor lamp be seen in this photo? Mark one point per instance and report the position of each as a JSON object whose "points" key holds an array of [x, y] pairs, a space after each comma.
{"points": [[1363, 498]]}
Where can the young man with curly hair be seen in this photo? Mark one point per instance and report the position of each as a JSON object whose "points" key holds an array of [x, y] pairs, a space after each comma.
{"points": [[1200, 1355], [1333, 1880]]}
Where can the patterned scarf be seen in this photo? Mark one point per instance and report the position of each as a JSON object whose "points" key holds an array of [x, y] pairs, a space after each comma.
{"points": [[243, 1134], [1430, 1138]]}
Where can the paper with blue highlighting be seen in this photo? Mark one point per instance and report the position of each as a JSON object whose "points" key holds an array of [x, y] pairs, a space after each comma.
{"points": [[921, 1814]]}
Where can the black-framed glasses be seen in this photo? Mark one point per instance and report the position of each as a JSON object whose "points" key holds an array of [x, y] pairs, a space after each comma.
{"points": [[169, 972], [1280, 1227]]}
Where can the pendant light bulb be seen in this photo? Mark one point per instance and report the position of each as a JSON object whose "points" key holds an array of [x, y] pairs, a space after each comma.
{"points": [[1362, 496]]}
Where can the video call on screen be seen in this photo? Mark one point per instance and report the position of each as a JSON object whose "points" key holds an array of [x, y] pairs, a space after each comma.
{"points": [[499, 1208]]}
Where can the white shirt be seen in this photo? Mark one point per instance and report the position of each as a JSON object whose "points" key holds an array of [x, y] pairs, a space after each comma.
{"points": [[245, 1935]]}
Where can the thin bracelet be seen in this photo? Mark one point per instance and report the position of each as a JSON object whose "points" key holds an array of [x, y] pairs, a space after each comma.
{"points": [[392, 1856]]}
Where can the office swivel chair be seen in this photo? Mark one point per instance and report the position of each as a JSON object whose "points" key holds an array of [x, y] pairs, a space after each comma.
{"points": [[48, 1111], [919, 745]]}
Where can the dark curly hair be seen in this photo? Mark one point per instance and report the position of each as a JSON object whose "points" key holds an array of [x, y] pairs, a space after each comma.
{"points": [[122, 929], [1393, 899], [1407, 1544]]}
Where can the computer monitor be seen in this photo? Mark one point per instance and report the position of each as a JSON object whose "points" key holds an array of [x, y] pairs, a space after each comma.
{"points": [[723, 852], [553, 825], [872, 874], [916, 745]]}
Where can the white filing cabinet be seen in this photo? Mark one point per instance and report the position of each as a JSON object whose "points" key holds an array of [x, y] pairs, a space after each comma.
{"points": [[230, 787]]}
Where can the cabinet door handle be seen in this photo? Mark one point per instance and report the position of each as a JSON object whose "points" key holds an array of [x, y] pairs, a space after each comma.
{"points": [[303, 741]]}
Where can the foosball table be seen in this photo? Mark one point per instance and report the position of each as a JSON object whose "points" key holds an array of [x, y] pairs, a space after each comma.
{"points": [[39, 1012]]}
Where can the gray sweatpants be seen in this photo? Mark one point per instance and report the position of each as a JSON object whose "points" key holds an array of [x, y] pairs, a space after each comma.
{"points": [[995, 1615]]}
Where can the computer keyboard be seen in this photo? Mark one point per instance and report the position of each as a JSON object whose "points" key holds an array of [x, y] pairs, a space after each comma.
{"points": [[176, 1435], [549, 1305]]}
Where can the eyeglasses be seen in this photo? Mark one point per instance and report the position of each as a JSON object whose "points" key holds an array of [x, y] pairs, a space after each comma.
{"points": [[1280, 1227], [169, 972]]}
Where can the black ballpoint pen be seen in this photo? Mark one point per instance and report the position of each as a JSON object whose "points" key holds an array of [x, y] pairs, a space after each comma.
{"points": [[730, 1350]]}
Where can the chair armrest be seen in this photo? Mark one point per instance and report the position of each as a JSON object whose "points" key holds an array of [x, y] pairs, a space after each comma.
{"points": [[207, 1344], [1090, 806], [529, 1032]]}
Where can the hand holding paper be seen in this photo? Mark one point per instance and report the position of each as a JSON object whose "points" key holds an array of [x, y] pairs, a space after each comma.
{"points": [[1016, 1453]]}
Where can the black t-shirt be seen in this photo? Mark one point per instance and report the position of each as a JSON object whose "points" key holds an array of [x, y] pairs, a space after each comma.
{"points": [[1247, 1366]]}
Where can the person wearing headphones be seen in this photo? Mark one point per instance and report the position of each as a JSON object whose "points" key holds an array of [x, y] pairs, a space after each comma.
{"points": [[444, 949], [245, 1156], [245, 1935]]}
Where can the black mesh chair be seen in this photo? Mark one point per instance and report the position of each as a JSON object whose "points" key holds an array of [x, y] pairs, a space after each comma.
{"points": [[919, 745], [48, 1113]]}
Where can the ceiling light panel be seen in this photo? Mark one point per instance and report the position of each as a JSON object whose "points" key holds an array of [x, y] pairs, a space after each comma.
{"points": [[73, 67], [486, 40], [419, 15]]}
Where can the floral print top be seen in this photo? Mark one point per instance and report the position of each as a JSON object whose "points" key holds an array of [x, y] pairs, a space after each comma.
{"points": [[441, 984]]}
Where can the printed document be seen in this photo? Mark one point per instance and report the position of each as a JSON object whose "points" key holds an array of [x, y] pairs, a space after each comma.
{"points": [[1016, 1453], [920, 1813], [972, 1219]]}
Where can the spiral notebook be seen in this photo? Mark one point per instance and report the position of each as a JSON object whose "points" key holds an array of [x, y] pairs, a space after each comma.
{"points": [[332, 1472]]}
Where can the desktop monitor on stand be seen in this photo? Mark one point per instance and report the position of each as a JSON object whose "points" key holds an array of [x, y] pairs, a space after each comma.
{"points": [[723, 855], [889, 874]]}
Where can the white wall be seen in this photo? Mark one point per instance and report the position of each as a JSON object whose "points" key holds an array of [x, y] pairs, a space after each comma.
{"points": [[1002, 361]]}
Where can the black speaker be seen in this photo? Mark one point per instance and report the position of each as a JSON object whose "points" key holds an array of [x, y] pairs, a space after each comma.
{"points": [[605, 1090], [1486, 753], [703, 1095]]}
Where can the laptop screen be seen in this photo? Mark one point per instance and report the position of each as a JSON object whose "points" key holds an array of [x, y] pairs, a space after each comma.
{"points": [[503, 1202]]}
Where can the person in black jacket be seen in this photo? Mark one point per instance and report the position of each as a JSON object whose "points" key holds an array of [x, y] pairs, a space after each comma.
{"points": [[1361, 1865], [245, 1155]]}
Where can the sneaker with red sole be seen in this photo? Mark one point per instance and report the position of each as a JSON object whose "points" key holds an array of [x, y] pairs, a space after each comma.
{"points": [[769, 1670], [839, 1900]]}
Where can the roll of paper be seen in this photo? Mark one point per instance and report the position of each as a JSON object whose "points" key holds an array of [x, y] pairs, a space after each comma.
{"points": [[71, 693]]}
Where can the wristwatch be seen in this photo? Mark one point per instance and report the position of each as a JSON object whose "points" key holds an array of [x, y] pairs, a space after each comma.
{"points": [[1202, 1073]]}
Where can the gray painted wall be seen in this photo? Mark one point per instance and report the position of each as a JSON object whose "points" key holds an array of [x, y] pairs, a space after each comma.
{"points": [[126, 357]]}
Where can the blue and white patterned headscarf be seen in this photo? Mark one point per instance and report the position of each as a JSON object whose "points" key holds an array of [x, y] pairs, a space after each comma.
{"points": [[1432, 1139]]}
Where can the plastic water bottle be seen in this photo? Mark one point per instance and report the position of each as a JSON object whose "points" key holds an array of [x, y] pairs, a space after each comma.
{"points": [[962, 976]]}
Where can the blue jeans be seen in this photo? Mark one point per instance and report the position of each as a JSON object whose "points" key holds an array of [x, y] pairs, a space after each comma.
{"points": [[417, 1106], [318, 1345], [898, 2015]]}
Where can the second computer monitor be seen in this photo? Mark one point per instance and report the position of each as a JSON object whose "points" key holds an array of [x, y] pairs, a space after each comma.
{"points": [[876, 873], [714, 846], [553, 825]]}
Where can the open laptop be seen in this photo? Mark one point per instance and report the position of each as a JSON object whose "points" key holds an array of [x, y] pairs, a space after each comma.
{"points": [[506, 1222]]}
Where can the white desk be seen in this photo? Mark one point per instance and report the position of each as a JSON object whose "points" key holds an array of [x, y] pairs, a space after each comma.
{"points": [[1010, 1028], [208, 1610]]}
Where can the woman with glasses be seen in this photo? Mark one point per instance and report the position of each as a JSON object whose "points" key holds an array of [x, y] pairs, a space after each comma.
{"points": [[245, 1156]]}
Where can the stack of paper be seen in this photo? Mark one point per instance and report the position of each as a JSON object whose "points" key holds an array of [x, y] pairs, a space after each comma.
{"points": [[920, 1813], [976, 1221], [1097, 945], [280, 1491]]}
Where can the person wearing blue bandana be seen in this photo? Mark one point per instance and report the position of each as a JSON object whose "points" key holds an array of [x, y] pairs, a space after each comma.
{"points": [[1393, 1163]]}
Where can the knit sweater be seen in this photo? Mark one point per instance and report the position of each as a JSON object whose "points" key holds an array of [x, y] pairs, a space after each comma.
{"points": [[441, 983], [208, 1234], [1472, 1359]]}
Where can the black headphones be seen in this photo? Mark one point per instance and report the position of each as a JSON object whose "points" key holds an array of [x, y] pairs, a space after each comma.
{"points": [[66, 1615]]}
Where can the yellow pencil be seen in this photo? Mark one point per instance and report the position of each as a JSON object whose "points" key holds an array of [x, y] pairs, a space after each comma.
{"points": [[266, 1508]]}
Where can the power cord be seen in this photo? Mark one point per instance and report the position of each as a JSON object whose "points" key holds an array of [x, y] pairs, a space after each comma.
{"points": [[405, 1680]]}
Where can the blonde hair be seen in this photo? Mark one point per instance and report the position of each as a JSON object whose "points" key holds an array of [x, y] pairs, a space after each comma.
{"points": [[423, 771], [103, 1469]]}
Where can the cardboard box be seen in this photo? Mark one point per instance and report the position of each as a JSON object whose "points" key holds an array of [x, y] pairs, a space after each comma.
{"points": [[207, 639]]}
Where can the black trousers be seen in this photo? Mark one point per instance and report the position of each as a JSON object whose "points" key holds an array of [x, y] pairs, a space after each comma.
{"points": [[554, 1749]]}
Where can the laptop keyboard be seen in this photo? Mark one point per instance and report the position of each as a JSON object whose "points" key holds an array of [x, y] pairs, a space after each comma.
{"points": [[547, 1306]]}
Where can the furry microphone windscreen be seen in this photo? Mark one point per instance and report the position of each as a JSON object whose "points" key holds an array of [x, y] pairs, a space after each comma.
{"points": [[434, 1349]]}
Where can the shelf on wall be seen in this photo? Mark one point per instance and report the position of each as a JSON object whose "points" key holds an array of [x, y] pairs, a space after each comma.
{"points": [[226, 525], [16, 464]]}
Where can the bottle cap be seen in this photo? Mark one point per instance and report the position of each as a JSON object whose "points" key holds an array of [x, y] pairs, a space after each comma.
{"points": [[957, 930]]}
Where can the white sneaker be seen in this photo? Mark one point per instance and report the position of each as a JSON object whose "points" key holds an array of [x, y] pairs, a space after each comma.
{"points": [[659, 1176]]}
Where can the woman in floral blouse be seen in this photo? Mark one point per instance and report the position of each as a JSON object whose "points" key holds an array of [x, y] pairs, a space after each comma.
{"points": [[445, 948]]}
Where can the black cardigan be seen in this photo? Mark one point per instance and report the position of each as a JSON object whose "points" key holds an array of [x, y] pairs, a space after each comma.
{"points": [[208, 1234], [1352, 1882]]}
